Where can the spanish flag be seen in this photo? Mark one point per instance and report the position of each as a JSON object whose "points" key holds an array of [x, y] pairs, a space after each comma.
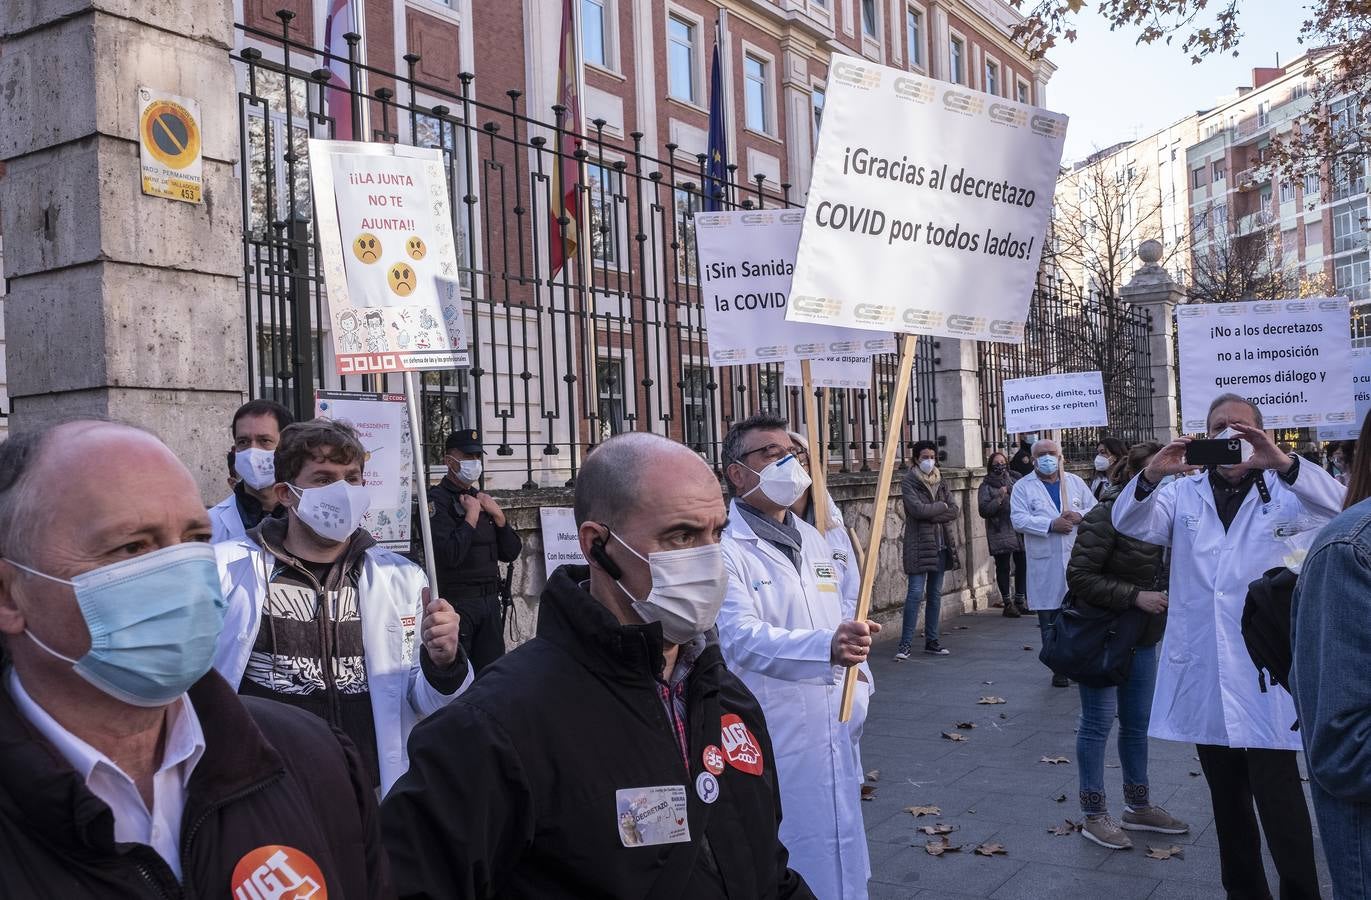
{"points": [[565, 208]]}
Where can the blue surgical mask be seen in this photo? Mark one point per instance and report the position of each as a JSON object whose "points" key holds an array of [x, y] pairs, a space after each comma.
{"points": [[153, 621], [1047, 465]]}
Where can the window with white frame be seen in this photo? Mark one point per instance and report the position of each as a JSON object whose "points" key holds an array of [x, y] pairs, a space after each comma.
{"points": [[1313, 185], [1219, 170], [604, 190], [914, 36], [817, 96], [870, 24], [269, 201], [595, 36], [1287, 191], [450, 137], [957, 61], [1352, 277], [609, 382], [697, 431], [1197, 177], [681, 54], [1263, 113], [992, 77], [1349, 231], [687, 201], [756, 90], [1021, 91]]}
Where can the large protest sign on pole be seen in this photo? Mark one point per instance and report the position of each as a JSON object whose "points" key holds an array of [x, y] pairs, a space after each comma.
{"points": [[927, 209], [1042, 402], [1361, 399], [745, 259], [383, 427], [1292, 358]]}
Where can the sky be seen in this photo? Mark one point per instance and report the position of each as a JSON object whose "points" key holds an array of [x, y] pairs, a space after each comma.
{"points": [[1115, 90]]}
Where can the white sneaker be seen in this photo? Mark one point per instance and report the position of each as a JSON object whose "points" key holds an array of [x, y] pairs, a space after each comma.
{"points": [[903, 653]]}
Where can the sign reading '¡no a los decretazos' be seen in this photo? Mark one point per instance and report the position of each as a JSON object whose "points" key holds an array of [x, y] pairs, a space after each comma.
{"points": [[927, 208]]}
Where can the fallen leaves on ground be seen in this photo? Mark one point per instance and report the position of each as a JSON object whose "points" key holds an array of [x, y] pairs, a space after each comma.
{"points": [[992, 850], [1028, 646], [917, 811], [954, 736], [1067, 827], [1194, 774], [868, 792], [937, 828], [1054, 760], [990, 701], [940, 846], [1004, 715], [987, 682], [965, 726], [873, 776], [1165, 852]]}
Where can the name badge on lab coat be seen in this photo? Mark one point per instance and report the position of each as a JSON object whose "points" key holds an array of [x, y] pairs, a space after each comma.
{"points": [[827, 577], [652, 815]]}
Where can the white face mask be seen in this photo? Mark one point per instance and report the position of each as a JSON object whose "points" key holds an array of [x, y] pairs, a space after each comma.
{"points": [[688, 588], [333, 512], [782, 482], [469, 470], [1102, 462], [257, 467], [926, 466]]}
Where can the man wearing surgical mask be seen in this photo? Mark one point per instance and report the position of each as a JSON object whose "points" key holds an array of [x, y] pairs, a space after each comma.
{"points": [[127, 767], [256, 430], [471, 538], [613, 755], [321, 618], [782, 629]]}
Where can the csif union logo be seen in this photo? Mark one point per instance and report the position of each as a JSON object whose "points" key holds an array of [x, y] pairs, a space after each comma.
{"points": [[874, 313], [963, 102], [1048, 126], [856, 75], [816, 306], [965, 324], [757, 218], [915, 89], [1004, 114], [792, 216], [919, 319]]}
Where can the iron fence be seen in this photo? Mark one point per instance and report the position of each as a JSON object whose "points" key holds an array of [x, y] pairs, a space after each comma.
{"points": [[560, 360], [1071, 331]]}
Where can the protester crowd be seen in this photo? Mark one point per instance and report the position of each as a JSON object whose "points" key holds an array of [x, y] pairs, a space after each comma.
{"points": [[257, 700]]}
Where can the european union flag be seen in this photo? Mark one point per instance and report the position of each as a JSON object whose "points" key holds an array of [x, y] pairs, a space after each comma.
{"points": [[716, 157]]}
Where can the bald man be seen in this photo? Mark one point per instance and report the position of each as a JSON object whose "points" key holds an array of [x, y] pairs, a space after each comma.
{"points": [[613, 755], [127, 767]]}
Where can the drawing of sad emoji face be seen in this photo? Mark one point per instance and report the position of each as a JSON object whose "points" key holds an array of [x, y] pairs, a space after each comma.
{"points": [[415, 247], [367, 248], [401, 279]]}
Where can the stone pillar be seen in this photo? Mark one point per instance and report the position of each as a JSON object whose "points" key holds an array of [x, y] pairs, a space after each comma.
{"points": [[120, 304], [1153, 290], [958, 385]]}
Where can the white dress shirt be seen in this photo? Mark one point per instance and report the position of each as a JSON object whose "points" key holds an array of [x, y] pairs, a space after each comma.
{"points": [[158, 828]]}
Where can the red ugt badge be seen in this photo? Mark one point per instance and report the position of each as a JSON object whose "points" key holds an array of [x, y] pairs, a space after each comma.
{"points": [[741, 748]]}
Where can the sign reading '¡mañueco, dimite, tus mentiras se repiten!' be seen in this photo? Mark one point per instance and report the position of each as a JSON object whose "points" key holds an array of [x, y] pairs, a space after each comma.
{"points": [[927, 208]]}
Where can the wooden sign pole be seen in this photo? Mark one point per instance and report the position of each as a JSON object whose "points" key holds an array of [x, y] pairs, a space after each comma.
{"points": [[818, 492], [889, 452]]}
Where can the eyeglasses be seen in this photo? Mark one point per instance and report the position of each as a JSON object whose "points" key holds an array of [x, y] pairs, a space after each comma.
{"points": [[772, 452]]}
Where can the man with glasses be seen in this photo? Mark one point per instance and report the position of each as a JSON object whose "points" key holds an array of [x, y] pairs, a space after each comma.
{"points": [[782, 629]]}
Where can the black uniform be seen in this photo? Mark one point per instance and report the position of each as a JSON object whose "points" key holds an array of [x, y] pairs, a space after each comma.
{"points": [[517, 789], [468, 563]]}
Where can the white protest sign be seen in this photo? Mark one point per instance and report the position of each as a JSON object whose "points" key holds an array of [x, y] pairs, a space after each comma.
{"points": [[1042, 402], [389, 260], [832, 372], [927, 208], [746, 258], [561, 547], [1361, 398], [1292, 358], [382, 425]]}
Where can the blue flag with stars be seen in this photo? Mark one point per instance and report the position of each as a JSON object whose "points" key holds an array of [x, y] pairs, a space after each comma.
{"points": [[716, 157]]}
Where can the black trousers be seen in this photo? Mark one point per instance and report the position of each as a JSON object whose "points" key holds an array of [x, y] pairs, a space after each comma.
{"points": [[1239, 778], [1002, 561], [481, 631]]}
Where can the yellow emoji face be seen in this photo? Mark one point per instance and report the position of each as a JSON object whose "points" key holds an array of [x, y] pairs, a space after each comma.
{"points": [[367, 248], [415, 247], [402, 279]]}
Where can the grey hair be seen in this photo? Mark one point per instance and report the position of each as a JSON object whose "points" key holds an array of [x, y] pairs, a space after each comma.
{"points": [[1233, 398], [1034, 449], [733, 441], [607, 485]]}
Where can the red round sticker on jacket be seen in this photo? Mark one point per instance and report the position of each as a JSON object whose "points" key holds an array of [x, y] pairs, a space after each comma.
{"points": [[741, 748], [276, 872], [713, 759]]}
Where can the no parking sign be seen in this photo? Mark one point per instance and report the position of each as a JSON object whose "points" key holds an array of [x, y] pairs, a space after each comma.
{"points": [[169, 146]]}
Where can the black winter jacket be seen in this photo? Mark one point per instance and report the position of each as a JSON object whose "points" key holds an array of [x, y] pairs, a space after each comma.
{"points": [[270, 775], [467, 559], [994, 508], [1108, 569], [516, 788], [925, 517]]}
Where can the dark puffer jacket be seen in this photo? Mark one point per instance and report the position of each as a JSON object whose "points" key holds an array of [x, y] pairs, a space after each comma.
{"points": [[1108, 569], [994, 508], [925, 517]]}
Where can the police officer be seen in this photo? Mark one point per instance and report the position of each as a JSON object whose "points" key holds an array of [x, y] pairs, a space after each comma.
{"points": [[471, 537]]}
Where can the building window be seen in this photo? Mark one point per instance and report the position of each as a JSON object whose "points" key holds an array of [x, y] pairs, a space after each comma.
{"points": [[957, 61], [687, 205], [609, 382], [450, 137], [755, 89], [1220, 218], [818, 96], [1220, 171], [1197, 177], [1313, 234], [695, 409], [1348, 230], [1264, 199], [680, 59], [869, 25], [1312, 186], [267, 149], [1352, 277], [992, 78], [593, 36], [1021, 93], [604, 189], [914, 36], [1287, 191]]}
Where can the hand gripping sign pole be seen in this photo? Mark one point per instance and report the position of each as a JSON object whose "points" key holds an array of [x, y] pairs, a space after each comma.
{"points": [[818, 471], [890, 450]]}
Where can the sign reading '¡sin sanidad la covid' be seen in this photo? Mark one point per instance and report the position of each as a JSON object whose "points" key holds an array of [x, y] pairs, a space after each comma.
{"points": [[928, 207]]}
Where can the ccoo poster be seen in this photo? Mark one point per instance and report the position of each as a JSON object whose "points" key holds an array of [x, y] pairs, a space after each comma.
{"points": [[382, 424]]}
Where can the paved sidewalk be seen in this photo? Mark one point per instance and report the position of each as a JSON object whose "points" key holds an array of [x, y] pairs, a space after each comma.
{"points": [[994, 788]]}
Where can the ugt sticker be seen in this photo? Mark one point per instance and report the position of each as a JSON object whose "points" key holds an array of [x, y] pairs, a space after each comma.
{"points": [[652, 815], [740, 747], [276, 872]]}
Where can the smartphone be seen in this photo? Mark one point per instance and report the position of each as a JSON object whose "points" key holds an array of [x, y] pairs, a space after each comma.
{"points": [[1214, 452]]}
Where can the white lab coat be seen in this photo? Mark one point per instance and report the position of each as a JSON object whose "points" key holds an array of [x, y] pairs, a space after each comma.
{"points": [[776, 633], [226, 522], [850, 583], [1207, 686], [1031, 510], [392, 610]]}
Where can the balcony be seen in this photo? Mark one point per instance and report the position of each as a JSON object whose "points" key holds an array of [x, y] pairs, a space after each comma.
{"points": [[1254, 176], [1254, 222]]}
